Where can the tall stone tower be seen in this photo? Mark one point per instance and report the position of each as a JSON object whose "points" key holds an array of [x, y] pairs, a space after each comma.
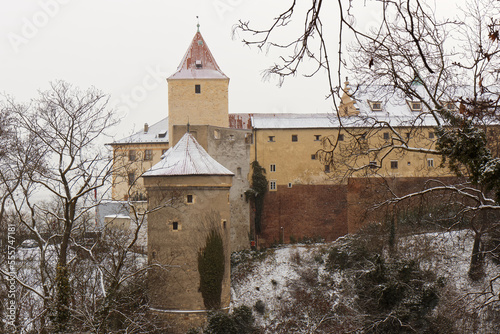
{"points": [[188, 195], [198, 90]]}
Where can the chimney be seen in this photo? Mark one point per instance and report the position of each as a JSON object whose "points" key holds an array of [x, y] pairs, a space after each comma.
{"points": [[146, 127]]}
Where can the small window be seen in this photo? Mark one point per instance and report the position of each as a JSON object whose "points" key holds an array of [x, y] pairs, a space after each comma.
{"points": [[317, 137], [162, 134], [199, 64], [231, 137], [295, 138], [409, 163], [224, 224], [148, 155], [408, 135], [327, 168], [131, 178], [394, 164], [386, 135], [217, 134], [248, 138], [416, 106], [272, 168], [431, 135], [131, 155], [289, 184], [313, 156], [375, 105], [189, 199], [341, 137], [272, 185], [238, 172], [362, 136], [271, 138], [430, 162], [372, 164], [197, 89], [175, 226]]}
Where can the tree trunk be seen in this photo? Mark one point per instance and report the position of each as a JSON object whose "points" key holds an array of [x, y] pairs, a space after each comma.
{"points": [[476, 270]]}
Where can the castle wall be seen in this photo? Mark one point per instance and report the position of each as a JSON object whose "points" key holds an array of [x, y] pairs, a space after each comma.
{"points": [[331, 211]]}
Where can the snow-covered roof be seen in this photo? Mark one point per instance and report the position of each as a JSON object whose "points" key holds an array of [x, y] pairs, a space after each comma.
{"points": [[187, 157], [156, 133], [322, 121], [198, 62]]}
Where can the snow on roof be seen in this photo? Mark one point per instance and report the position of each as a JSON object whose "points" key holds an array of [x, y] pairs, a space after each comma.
{"points": [[156, 133], [187, 157], [198, 62], [324, 121]]}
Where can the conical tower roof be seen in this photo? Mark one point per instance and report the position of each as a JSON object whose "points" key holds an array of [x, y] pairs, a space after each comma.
{"points": [[187, 157], [198, 62]]}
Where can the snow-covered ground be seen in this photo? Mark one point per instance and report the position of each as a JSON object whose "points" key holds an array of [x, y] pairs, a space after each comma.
{"points": [[269, 279]]}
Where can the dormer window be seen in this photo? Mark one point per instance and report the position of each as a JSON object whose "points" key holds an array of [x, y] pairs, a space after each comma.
{"points": [[375, 105], [199, 64], [449, 105], [162, 134], [415, 106]]}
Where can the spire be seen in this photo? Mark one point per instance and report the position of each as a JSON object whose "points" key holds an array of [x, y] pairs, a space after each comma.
{"points": [[198, 62], [198, 25]]}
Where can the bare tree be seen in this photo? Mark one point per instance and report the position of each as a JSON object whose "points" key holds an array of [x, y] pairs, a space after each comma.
{"points": [[448, 64]]}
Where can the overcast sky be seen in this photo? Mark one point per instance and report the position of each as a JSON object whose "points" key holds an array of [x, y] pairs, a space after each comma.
{"points": [[127, 48]]}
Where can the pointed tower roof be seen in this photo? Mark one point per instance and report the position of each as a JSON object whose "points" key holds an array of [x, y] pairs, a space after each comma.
{"points": [[198, 62], [187, 157]]}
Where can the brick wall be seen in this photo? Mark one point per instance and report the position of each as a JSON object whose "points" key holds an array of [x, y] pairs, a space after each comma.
{"points": [[331, 211], [304, 211]]}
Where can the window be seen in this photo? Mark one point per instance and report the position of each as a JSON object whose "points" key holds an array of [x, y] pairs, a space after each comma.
{"points": [[394, 164], [313, 156], [189, 199], [449, 105], [131, 155], [341, 137], [386, 135], [148, 155], [248, 138], [224, 224], [271, 138], [375, 105], [431, 135], [175, 226], [217, 134], [430, 162], [407, 135], [416, 106], [272, 185], [131, 178], [289, 185], [363, 136], [327, 168], [272, 168], [372, 164], [295, 138], [199, 64], [238, 172], [231, 137], [197, 89], [162, 134], [317, 137]]}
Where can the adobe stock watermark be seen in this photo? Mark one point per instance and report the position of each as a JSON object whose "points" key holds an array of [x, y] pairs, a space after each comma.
{"points": [[155, 76], [224, 6], [31, 25], [10, 312]]}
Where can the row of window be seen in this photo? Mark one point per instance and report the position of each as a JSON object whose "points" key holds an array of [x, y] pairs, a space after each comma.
{"points": [[147, 154], [414, 105], [341, 137], [176, 226]]}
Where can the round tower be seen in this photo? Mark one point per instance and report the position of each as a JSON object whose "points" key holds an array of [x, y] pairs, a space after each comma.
{"points": [[188, 225], [198, 90]]}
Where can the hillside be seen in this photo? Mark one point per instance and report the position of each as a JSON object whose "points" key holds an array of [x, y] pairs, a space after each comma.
{"points": [[357, 284]]}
